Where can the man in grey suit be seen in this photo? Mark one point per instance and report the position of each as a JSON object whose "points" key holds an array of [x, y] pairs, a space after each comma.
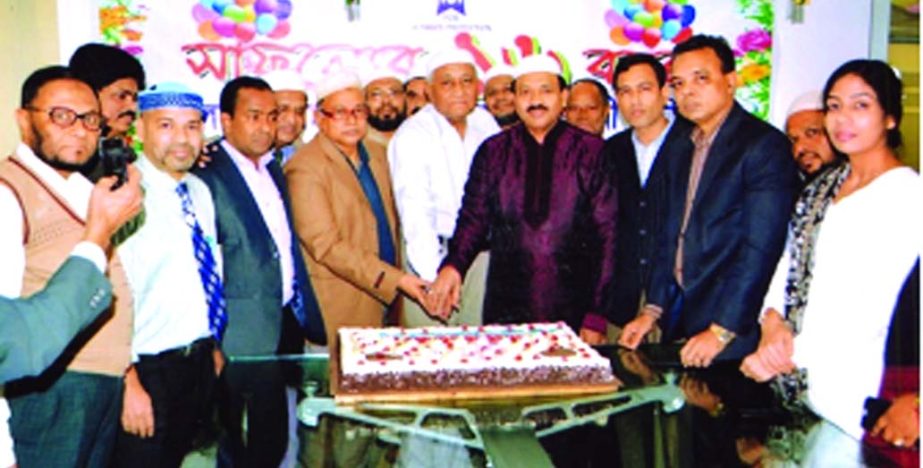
{"points": [[271, 306], [38, 328]]}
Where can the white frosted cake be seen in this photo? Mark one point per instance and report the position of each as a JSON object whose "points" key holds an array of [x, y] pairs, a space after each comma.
{"points": [[398, 359]]}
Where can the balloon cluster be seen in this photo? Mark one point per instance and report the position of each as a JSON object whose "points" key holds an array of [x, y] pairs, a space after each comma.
{"points": [[650, 21], [242, 19]]}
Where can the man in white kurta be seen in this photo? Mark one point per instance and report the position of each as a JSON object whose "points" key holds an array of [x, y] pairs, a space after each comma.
{"points": [[430, 156]]}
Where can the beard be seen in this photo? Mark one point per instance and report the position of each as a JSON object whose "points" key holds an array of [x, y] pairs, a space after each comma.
{"points": [[507, 120], [387, 124], [83, 168]]}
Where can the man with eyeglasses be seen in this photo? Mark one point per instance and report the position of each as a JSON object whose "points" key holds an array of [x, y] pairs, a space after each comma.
{"points": [[588, 106], [429, 156], [385, 98], [345, 217], [271, 305], [292, 100], [116, 76], [43, 204]]}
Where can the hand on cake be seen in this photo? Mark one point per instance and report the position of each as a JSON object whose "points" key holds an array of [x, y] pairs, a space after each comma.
{"points": [[635, 331], [592, 337], [137, 411], [444, 294], [413, 287]]}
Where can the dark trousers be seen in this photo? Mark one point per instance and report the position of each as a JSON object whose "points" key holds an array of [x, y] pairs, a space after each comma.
{"points": [[71, 423], [181, 384], [255, 391]]}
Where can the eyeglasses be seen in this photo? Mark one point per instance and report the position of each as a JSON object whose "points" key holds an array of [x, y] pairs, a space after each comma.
{"points": [[341, 114], [65, 117]]}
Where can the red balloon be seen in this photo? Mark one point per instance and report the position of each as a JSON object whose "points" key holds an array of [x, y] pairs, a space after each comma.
{"points": [[654, 5], [651, 37], [244, 31], [686, 33]]}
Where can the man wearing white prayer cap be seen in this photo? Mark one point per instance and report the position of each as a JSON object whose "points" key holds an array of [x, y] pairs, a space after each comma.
{"points": [[344, 215], [804, 125], [292, 100], [498, 95], [430, 155], [384, 95], [541, 199]]}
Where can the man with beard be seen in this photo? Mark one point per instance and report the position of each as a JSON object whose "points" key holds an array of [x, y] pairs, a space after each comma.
{"points": [[116, 76], [638, 156], [588, 106], [541, 199], [415, 94], [269, 297], [804, 126], [172, 264], [384, 96], [43, 203], [430, 156], [292, 100], [498, 95]]}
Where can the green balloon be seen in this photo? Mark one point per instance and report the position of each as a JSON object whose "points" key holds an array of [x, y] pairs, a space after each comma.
{"points": [[235, 13], [644, 19], [679, 2]]}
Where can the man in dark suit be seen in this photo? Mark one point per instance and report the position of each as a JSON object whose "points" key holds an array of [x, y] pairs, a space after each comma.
{"points": [[727, 207], [266, 286], [638, 156]]}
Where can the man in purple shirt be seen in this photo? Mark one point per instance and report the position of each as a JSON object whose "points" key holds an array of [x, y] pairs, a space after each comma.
{"points": [[539, 198]]}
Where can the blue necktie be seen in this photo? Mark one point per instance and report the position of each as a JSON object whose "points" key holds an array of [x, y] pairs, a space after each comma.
{"points": [[208, 268], [370, 188]]}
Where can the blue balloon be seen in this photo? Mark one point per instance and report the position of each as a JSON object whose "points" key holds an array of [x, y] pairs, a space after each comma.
{"points": [[688, 15], [265, 23], [619, 5], [284, 10], [632, 10], [220, 5], [207, 3], [670, 29]]}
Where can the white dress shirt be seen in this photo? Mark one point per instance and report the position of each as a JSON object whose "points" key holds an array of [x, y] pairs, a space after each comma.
{"points": [[272, 208], [866, 246], [159, 260], [645, 155], [429, 167], [75, 191]]}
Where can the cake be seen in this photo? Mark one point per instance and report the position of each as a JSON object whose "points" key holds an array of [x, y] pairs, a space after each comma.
{"points": [[392, 360]]}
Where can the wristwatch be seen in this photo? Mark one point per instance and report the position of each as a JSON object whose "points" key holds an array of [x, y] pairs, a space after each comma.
{"points": [[724, 335]]}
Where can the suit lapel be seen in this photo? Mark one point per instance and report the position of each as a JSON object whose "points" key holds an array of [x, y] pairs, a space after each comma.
{"points": [[721, 149], [239, 192]]}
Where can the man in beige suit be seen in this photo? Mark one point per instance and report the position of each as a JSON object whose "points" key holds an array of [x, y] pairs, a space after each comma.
{"points": [[344, 214]]}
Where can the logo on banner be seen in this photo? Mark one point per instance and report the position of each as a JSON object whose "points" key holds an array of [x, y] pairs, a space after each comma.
{"points": [[449, 5]]}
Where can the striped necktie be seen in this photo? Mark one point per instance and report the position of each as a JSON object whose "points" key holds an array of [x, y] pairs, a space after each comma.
{"points": [[208, 273]]}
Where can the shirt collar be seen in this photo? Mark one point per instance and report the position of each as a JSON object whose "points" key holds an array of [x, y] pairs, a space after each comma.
{"points": [[154, 178], [656, 141], [699, 138], [241, 160]]}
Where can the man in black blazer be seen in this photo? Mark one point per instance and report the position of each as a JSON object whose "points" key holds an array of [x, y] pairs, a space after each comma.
{"points": [[638, 157], [728, 203], [265, 283]]}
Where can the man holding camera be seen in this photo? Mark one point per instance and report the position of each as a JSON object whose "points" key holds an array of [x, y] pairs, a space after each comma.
{"points": [[43, 203]]}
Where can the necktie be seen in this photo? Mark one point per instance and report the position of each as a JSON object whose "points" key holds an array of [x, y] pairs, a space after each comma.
{"points": [[211, 282], [370, 188], [279, 156]]}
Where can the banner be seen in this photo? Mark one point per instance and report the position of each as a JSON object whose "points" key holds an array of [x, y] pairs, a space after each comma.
{"points": [[205, 43]]}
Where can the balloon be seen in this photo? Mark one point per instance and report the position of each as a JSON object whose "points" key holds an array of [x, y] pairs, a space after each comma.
{"points": [[202, 14], [688, 15], [265, 23], [220, 5], [207, 3], [619, 5], [244, 3], [679, 2], [686, 33], [671, 12], [282, 30], [617, 34], [249, 14], [631, 11], [634, 31], [670, 29], [284, 9], [207, 31], [244, 31], [614, 19], [644, 18], [235, 13], [654, 5], [651, 37], [265, 6], [634, 1], [223, 27], [656, 21]]}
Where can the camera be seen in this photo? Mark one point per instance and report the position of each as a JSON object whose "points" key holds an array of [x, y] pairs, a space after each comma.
{"points": [[114, 158]]}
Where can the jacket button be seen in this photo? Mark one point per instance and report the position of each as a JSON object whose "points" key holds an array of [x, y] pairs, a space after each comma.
{"points": [[644, 261], [643, 232]]}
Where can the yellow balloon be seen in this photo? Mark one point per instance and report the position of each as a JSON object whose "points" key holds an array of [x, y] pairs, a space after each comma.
{"points": [[249, 14]]}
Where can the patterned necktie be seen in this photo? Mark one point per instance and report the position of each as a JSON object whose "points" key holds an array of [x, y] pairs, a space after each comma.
{"points": [[211, 282], [370, 188]]}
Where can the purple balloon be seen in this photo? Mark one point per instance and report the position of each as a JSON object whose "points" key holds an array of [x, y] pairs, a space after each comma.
{"points": [[671, 11], [265, 6], [284, 9], [688, 15], [202, 14], [634, 31], [224, 27]]}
